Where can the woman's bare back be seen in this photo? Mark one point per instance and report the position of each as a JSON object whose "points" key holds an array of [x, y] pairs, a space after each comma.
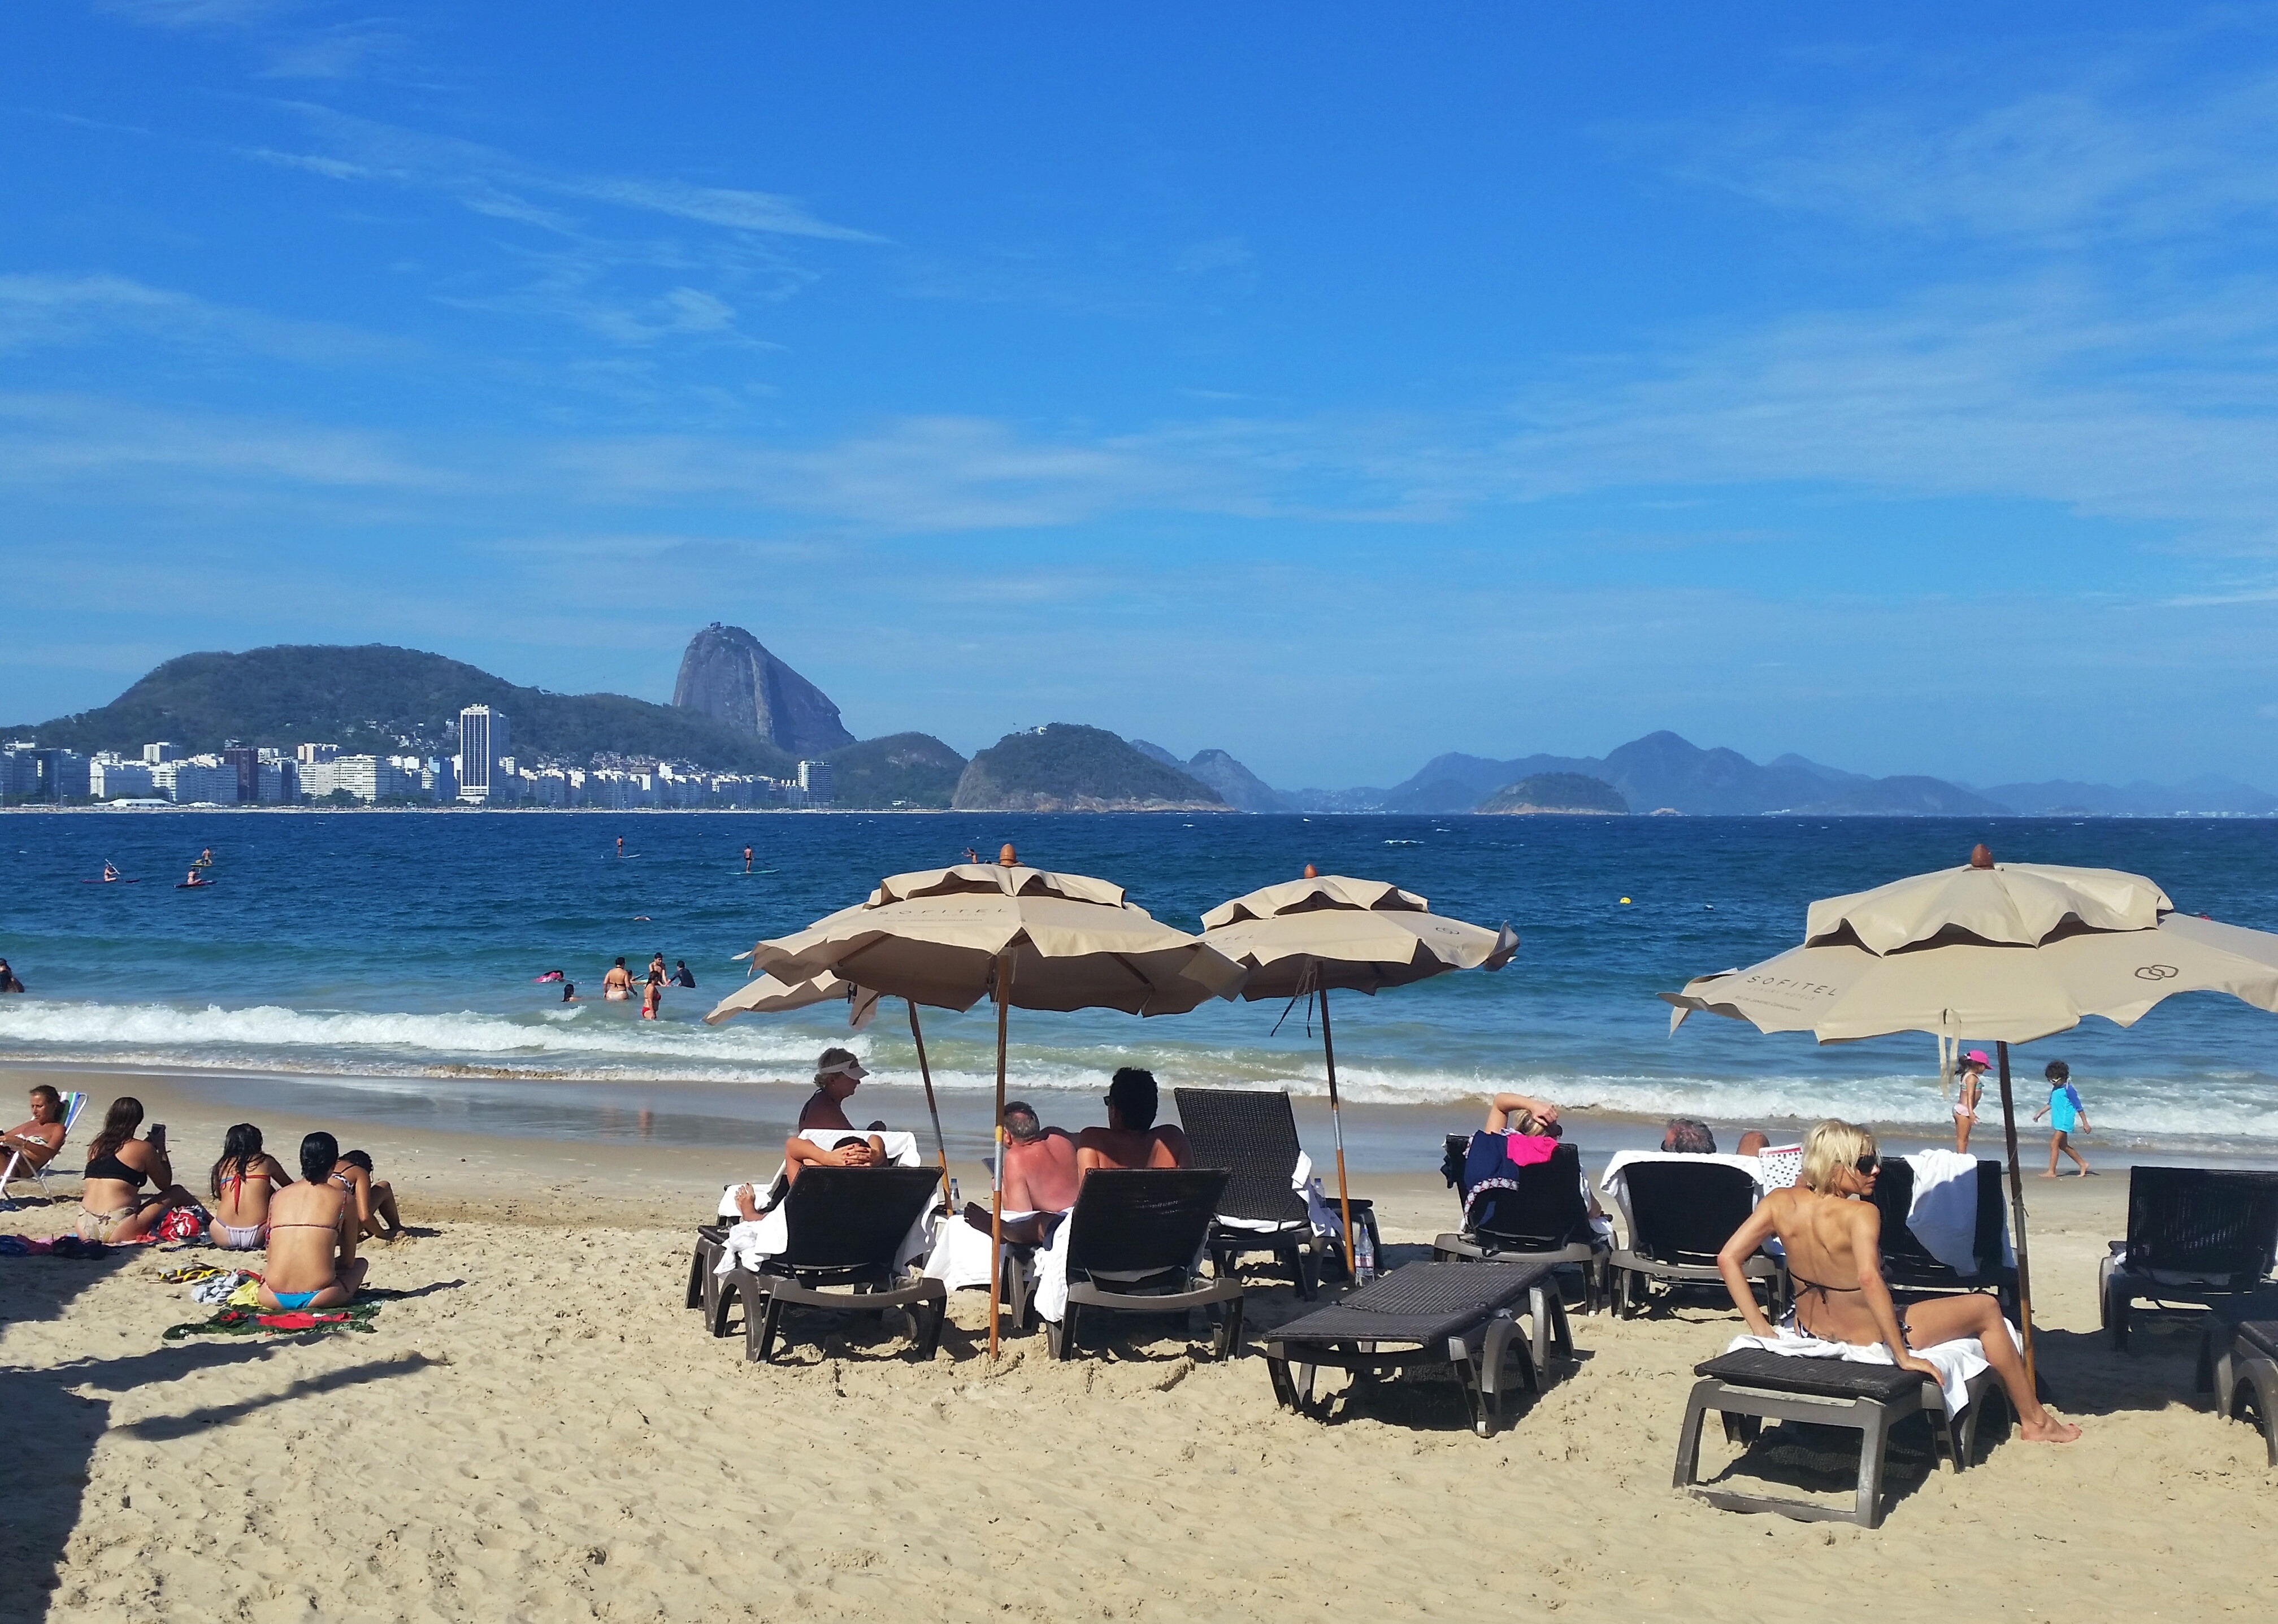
{"points": [[310, 1237], [1827, 1239]]}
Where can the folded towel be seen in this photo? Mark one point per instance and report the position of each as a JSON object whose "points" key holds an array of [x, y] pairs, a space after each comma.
{"points": [[1959, 1363], [1320, 1212], [960, 1254], [1943, 1216]]}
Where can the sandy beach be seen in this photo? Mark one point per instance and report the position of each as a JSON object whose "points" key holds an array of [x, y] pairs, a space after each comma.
{"points": [[543, 1432]]}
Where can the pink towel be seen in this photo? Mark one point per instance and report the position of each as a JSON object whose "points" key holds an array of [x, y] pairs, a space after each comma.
{"points": [[1529, 1149]]}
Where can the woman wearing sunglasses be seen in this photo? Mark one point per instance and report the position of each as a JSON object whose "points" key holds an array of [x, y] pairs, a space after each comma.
{"points": [[1833, 1235]]}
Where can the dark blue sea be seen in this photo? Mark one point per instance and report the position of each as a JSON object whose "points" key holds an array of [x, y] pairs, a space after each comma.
{"points": [[393, 953]]}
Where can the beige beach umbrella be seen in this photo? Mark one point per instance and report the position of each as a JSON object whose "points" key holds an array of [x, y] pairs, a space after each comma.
{"points": [[1304, 936], [950, 936], [2011, 952]]}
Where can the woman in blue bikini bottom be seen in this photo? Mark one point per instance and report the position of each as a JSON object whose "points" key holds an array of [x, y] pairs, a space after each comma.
{"points": [[312, 1237]]}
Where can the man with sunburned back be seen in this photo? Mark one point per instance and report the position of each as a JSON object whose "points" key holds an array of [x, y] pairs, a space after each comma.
{"points": [[1131, 1138], [1040, 1177]]}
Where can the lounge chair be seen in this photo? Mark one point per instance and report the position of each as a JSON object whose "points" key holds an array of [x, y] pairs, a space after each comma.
{"points": [[1751, 1384], [2195, 1235], [1541, 1217], [845, 1227], [1254, 1137], [1910, 1266], [20, 1166], [1132, 1243], [2248, 1382], [1681, 1212], [1462, 1313]]}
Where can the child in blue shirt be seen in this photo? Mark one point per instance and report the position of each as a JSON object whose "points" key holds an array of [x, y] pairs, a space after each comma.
{"points": [[2065, 1114]]}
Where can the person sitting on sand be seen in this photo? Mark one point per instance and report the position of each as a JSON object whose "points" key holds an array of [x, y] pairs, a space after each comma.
{"points": [[242, 1183], [1131, 1138], [374, 1199], [312, 1262], [112, 1209], [617, 986], [1831, 1231], [1689, 1136], [838, 1075], [38, 1139]]}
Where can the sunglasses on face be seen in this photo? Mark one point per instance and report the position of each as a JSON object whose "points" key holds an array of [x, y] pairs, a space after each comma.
{"points": [[1867, 1166]]}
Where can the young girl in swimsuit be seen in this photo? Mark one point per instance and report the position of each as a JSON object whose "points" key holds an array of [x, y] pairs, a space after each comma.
{"points": [[242, 1182], [1832, 1234], [312, 1237], [1969, 1090]]}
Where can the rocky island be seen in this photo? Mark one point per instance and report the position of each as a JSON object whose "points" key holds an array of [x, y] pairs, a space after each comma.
{"points": [[1066, 767], [1556, 793]]}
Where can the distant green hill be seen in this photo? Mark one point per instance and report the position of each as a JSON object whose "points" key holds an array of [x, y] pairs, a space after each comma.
{"points": [[905, 769], [1557, 792], [378, 699], [1065, 767]]}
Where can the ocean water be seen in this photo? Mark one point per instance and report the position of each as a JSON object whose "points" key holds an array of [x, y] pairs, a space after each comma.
{"points": [[394, 952]]}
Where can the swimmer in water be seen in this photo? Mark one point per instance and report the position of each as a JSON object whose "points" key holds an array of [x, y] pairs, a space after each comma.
{"points": [[652, 997], [682, 975], [568, 992], [617, 986]]}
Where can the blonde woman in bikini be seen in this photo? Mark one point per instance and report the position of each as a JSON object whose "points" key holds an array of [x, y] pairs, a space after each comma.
{"points": [[1969, 1088], [1832, 1234]]}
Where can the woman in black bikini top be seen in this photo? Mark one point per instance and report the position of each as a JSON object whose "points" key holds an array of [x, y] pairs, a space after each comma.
{"points": [[1832, 1234]]}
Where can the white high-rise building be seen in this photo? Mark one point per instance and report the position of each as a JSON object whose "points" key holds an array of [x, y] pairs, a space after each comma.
{"points": [[484, 736]]}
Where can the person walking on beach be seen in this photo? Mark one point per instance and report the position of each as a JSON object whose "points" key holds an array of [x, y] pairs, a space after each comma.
{"points": [[2067, 1115], [1969, 1088]]}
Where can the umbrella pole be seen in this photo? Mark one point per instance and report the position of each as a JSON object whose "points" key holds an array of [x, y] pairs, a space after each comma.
{"points": [[997, 1181], [2017, 1208], [1337, 1121], [925, 1071]]}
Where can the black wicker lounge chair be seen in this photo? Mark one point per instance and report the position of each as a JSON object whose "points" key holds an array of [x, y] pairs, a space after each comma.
{"points": [[1422, 1314], [846, 1225], [1542, 1218], [1254, 1137], [2195, 1235], [1751, 1384], [1910, 1268], [2247, 1379], [703, 1282], [1681, 1213], [1133, 1241]]}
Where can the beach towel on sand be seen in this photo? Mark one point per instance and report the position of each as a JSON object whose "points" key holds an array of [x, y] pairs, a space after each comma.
{"points": [[253, 1322], [1959, 1363]]}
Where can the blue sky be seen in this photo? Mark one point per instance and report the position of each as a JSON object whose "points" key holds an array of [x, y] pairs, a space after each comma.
{"points": [[1334, 385]]}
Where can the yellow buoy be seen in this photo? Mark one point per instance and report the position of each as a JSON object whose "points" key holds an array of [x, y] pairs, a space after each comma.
{"points": [[1625, 902]]}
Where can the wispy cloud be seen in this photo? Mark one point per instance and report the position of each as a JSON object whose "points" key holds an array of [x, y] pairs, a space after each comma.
{"points": [[38, 310]]}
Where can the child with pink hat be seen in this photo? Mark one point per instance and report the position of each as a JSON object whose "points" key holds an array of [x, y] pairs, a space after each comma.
{"points": [[1969, 1090]]}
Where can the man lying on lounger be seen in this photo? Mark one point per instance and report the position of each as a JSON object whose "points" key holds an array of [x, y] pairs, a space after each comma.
{"points": [[1131, 1138]]}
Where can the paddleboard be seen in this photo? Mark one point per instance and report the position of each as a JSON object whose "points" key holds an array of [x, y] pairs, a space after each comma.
{"points": [[121, 880], [206, 885]]}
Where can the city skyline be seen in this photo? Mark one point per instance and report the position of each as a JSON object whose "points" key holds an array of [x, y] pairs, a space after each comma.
{"points": [[1886, 390]]}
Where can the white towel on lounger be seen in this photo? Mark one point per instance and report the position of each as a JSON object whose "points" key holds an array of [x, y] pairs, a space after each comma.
{"points": [[748, 1243], [960, 1252], [1959, 1361], [1319, 1213], [901, 1151]]}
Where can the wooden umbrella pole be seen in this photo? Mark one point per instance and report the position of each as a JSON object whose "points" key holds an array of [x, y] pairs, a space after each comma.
{"points": [[1337, 1123], [932, 1110], [997, 1181], [2017, 1220]]}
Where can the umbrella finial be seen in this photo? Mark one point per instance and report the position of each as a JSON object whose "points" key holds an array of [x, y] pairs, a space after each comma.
{"points": [[1981, 855], [1311, 872], [1008, 858]]}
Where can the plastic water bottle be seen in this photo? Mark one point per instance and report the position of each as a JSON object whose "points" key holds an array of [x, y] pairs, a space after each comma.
{"points": [[1364, 1254], [955, 1206]]}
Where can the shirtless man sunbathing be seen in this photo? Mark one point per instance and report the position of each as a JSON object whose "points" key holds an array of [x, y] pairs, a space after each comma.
{"points": [[38, 1139], [1040, 1177], [312, 1262], [1131, 1138]]}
